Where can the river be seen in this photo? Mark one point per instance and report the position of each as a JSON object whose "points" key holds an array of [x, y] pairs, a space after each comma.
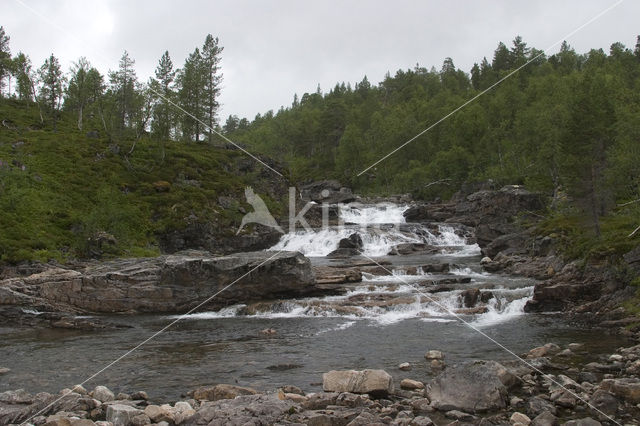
{"points": [[379, 323]]}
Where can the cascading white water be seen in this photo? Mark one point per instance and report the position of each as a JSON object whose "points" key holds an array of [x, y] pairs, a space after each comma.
{"points": [[507, 304], [377, 240], [382, 227], [367, 215]]}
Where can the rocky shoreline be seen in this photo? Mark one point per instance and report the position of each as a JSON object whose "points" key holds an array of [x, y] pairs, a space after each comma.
{"points": [[552, 386]]}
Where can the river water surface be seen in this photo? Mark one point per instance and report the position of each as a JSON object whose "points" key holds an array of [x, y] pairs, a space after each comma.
{"points": [[313, 335]]}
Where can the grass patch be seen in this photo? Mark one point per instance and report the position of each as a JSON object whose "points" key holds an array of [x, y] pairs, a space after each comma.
{"points": [[60, 188]]}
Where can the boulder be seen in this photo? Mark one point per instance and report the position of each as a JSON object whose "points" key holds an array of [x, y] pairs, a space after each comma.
{"points": [[159, 414], [102, 394], [122, 415], [341, 253], [320, 400], [374, 382], [433, 354], [545, 419], [473, 387], [409, 384], [604, 402], [470, 297], [543, 351], [537, 406], [587, 421], [223, 391], [626, 388], [353, 241], [326, 192], [243, 410]]}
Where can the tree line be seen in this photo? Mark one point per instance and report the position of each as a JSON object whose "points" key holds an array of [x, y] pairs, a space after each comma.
{"points": [[567, 124], [177, 104]]}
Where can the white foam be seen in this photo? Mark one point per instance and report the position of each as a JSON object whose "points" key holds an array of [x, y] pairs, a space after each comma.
{"points": [[379, 213], [341, 327], [228, 312], [468, 272], [319, 243], [496, 314]]}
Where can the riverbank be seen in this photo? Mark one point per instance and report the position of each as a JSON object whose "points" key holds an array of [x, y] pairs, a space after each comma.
{"points": [[552, 385]]}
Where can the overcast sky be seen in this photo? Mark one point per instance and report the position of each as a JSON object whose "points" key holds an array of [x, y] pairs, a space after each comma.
{"points": [[273, 49]]}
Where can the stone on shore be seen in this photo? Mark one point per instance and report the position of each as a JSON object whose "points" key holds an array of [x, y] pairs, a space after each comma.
{"points": [[375, 382], [103, 394], [542, 351], [409, 384], [223, 391], [243, 410], [473, 387], [434, 355], [159, 413], [122, 415], [626, 388], [545, 419], [405, 366], [520, 418], [4, 370]]}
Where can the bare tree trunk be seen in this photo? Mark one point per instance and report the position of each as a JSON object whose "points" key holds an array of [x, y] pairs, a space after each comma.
{"points": [[35, 98], [594, 203], [80, 117]]}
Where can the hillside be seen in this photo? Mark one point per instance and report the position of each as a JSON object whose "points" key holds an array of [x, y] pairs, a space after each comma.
{"points": [[68, 194]]}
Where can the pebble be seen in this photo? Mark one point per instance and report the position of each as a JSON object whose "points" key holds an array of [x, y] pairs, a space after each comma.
{"points": [[4, 370], [405, 366]]}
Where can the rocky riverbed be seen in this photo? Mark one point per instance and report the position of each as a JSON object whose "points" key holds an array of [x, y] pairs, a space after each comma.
{"points": [[426, 278], [551, 385]]}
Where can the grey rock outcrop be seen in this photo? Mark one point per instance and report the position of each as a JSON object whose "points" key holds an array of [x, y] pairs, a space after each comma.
{"points": [[170, 283]]}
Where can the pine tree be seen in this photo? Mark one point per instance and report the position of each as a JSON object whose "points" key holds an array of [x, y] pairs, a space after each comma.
{"points": [[501, 58], [22, 71], [475, 76], [123, 87], [163, 117], [519, 53], [211, 51], [191, 95], [85, 85], [51, 91], [5, 58], [586, 142]]}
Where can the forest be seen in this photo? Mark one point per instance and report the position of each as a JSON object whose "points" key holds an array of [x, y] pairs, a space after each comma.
{"points": [[566, 124]]}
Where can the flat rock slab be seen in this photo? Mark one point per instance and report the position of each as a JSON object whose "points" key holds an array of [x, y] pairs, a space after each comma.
{"points": [[375, 382]]}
